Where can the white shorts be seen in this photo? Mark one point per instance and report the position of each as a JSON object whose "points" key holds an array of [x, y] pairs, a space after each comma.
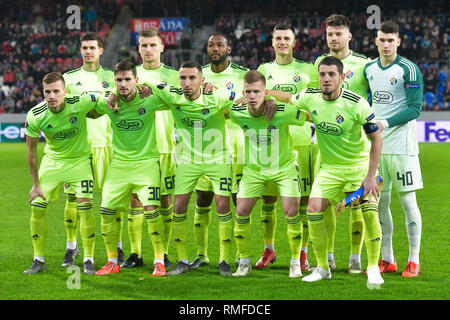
{"points": [[400, 171]]}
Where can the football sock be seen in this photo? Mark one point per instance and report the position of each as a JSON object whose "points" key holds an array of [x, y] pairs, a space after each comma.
{"points": [[71, 218], [135, 221], [180, 235], [87, 228], [166, 216], [387, 227], [330, 223], [202, 221], [269, 222], [119, 220], [372, 234], [294, 235], [304, 217], [110, 231], [155, 231], [413, 223], [226, 225], [356, 227], [242, 234], [318, 235], [38, 227]]}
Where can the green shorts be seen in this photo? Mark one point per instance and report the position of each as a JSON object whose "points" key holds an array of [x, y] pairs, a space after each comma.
{"points": [[204, 183], [124, 178], [101, 158], [304, 160], [167, 163], [187, 176], [285, 182], [333, 183], [76, 176]]}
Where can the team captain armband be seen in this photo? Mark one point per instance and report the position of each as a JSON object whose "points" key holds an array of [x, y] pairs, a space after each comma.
{"points": [[370, 127]]}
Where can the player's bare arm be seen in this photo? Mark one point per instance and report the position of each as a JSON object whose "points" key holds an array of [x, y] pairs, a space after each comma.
{"points": [[369, 182], [32, 159], [280, 95]]}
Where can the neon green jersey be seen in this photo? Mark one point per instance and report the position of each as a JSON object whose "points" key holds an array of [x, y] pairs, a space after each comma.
{"points": [[65, 132], [268, 143], [96, 82], [292, 77], [354, 65], [200, 123], [232, 79], [338, 123], [164, 119], [133, 125]]}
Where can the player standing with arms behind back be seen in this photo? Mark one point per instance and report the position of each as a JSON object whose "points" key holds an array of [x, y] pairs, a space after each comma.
{"points": [[289, 75], [396, 85], [93, 78]]}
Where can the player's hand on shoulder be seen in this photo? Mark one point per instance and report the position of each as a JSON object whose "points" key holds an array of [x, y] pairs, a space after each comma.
{"points": [[209, 87], [144, 91], [112, 102], [270, 107]]}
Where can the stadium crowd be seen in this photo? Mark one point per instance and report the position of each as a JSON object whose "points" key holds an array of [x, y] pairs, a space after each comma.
{"points": [[32, 46]]}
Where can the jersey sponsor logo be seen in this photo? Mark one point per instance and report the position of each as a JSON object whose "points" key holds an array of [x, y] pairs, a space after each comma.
{"points": [[194, 122], [329, 128], [383, 97], [413, 86], [229, 85], [296, 78], [105, 84], [141, 111], [261, 140], [66, 134], [290, 88], [339, 118], [130, 125]]}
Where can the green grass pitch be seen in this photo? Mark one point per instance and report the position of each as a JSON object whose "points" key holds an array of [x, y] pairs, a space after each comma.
{"points": [[205, 283]]}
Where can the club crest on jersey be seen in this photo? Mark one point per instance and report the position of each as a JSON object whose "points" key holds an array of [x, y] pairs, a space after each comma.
{"points": [[162, 85], [141, 111], [296, 78], [105, 84], [393, 80], [271, 128], [339, 118], [73, 119], [230, 86], [349, 74], [205, 112]]}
